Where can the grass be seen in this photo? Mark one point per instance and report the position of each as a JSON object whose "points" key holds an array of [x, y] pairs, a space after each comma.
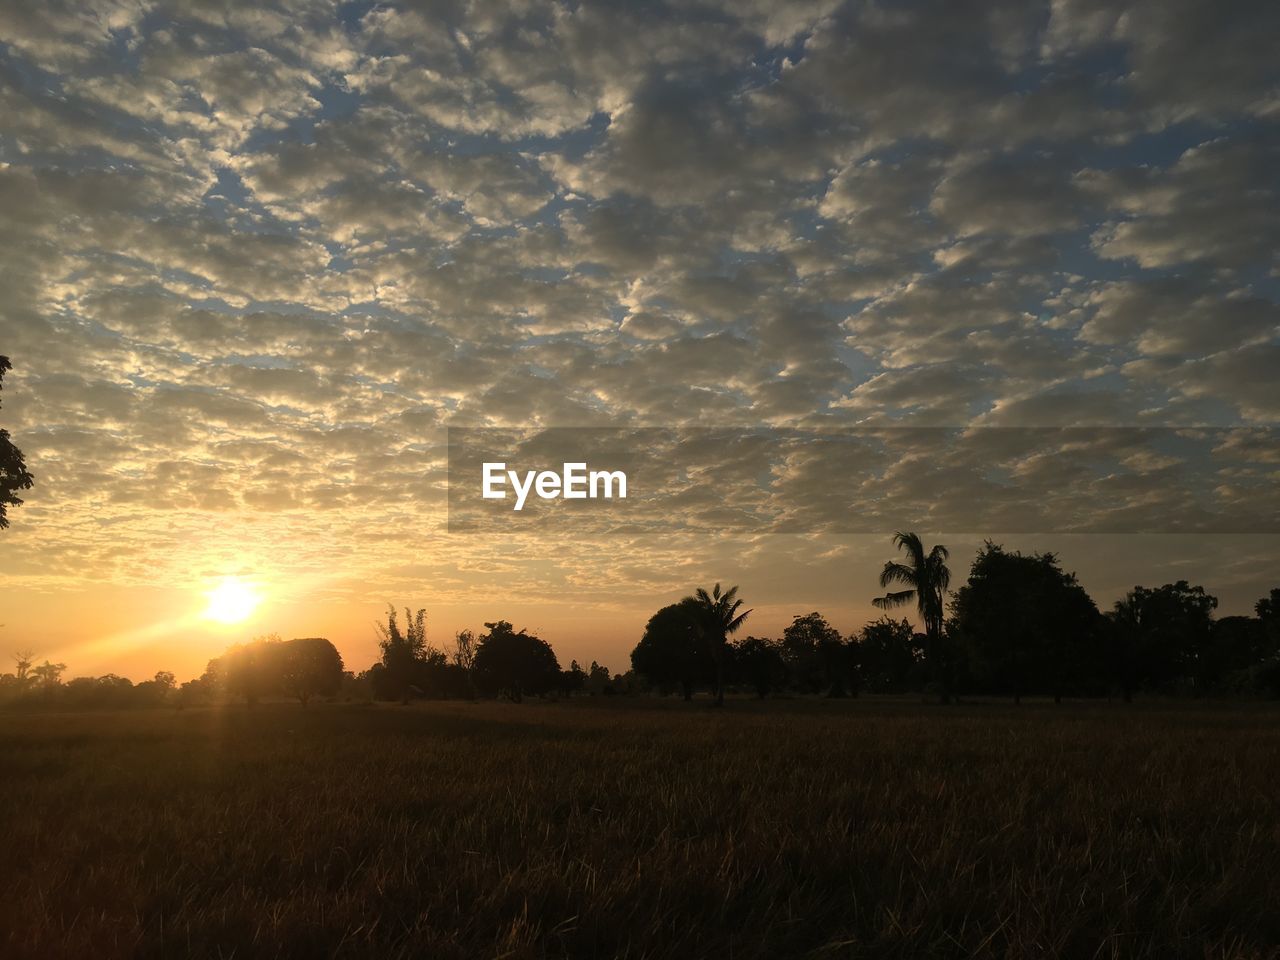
{"points": [[650, 829]]}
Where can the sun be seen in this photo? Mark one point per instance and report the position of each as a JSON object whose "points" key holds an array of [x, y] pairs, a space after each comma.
{"points": [[231, 601]]}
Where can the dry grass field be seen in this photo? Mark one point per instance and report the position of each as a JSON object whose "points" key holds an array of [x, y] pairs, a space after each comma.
{"points": [[642, 829]]}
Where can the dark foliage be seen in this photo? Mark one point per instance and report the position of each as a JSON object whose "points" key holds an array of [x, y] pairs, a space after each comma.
{"points": [[674, 653], [14, 475], [759, 664], [1162, 639], [924, 578], [818, 658], [1025, 625], [513, 664], [891, 656]]}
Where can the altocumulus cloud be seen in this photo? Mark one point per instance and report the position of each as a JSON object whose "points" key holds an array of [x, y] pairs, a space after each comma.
{"points": [[255, 258]]}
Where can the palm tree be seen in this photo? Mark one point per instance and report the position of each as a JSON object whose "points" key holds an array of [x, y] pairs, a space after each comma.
{"points": [[720, 617], [926, 578]]}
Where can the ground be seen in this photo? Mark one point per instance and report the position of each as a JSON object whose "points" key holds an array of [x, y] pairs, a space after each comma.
{"points": [[643, 829]]}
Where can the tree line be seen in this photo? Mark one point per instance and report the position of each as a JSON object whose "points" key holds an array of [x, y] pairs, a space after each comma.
{"points": [[501, 662], [1018, 626]]}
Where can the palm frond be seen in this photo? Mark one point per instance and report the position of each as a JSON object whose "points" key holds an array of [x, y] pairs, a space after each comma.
{"points": [[912, 544], [890, 600], [895, 572]]}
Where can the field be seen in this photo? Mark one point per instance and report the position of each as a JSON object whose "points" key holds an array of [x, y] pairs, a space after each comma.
{"points": [[642, 829]]}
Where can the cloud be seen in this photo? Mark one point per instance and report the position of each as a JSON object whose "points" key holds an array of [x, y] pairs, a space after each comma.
{"points": [[255, 260], [1178, 317], [1212, 206]]}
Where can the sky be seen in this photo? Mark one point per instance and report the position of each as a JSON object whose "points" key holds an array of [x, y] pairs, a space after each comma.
{"points": [[256, 259]]}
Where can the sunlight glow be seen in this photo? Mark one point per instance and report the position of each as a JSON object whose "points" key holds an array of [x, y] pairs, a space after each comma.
{"points": [[232, 601]]}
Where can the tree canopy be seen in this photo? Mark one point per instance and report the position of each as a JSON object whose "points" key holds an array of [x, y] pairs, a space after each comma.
{"points": [[1026, 625], [1162, 636], [14, 475], [268, 666], [673, 651], [515, 663]]}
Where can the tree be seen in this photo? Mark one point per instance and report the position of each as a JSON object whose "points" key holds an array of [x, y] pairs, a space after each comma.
{"points": [[515, 663], [890, 654], [156, 690], [599, 680], [573, 679], [22, 661], [14, 475], [1268, 611], [248, 670], [817, 656], [926, 579], [1268, 608], [310, 667], [759, 662], [673, 651], [48, 676], [1026, 624], [1161, 638], [1265, 674], [464, 658], [718, 618], [196, 692], [1239, 648], [401, 650]]}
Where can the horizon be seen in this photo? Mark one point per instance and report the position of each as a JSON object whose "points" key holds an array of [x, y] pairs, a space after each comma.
{"points": [[136, 654]]}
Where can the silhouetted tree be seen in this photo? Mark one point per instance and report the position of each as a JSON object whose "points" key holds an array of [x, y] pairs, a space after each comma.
{"points": [[401, 650], [1268, 611], [1266, 674], [268, 666], [890, 655], [515, 663], [107, 691], [48, 676], [196, 692], [759, 663], [434, 675], [22, 661], [926, 578], [1159, 638], [599, 680], [310, 667], [248, 670], [1026, 625], [464, 658], [45, 684], [153, 692], [718, 618], [1238, 650], [817, 656], [629, 684], [14, 475], [673, 651], [573, 679]]}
